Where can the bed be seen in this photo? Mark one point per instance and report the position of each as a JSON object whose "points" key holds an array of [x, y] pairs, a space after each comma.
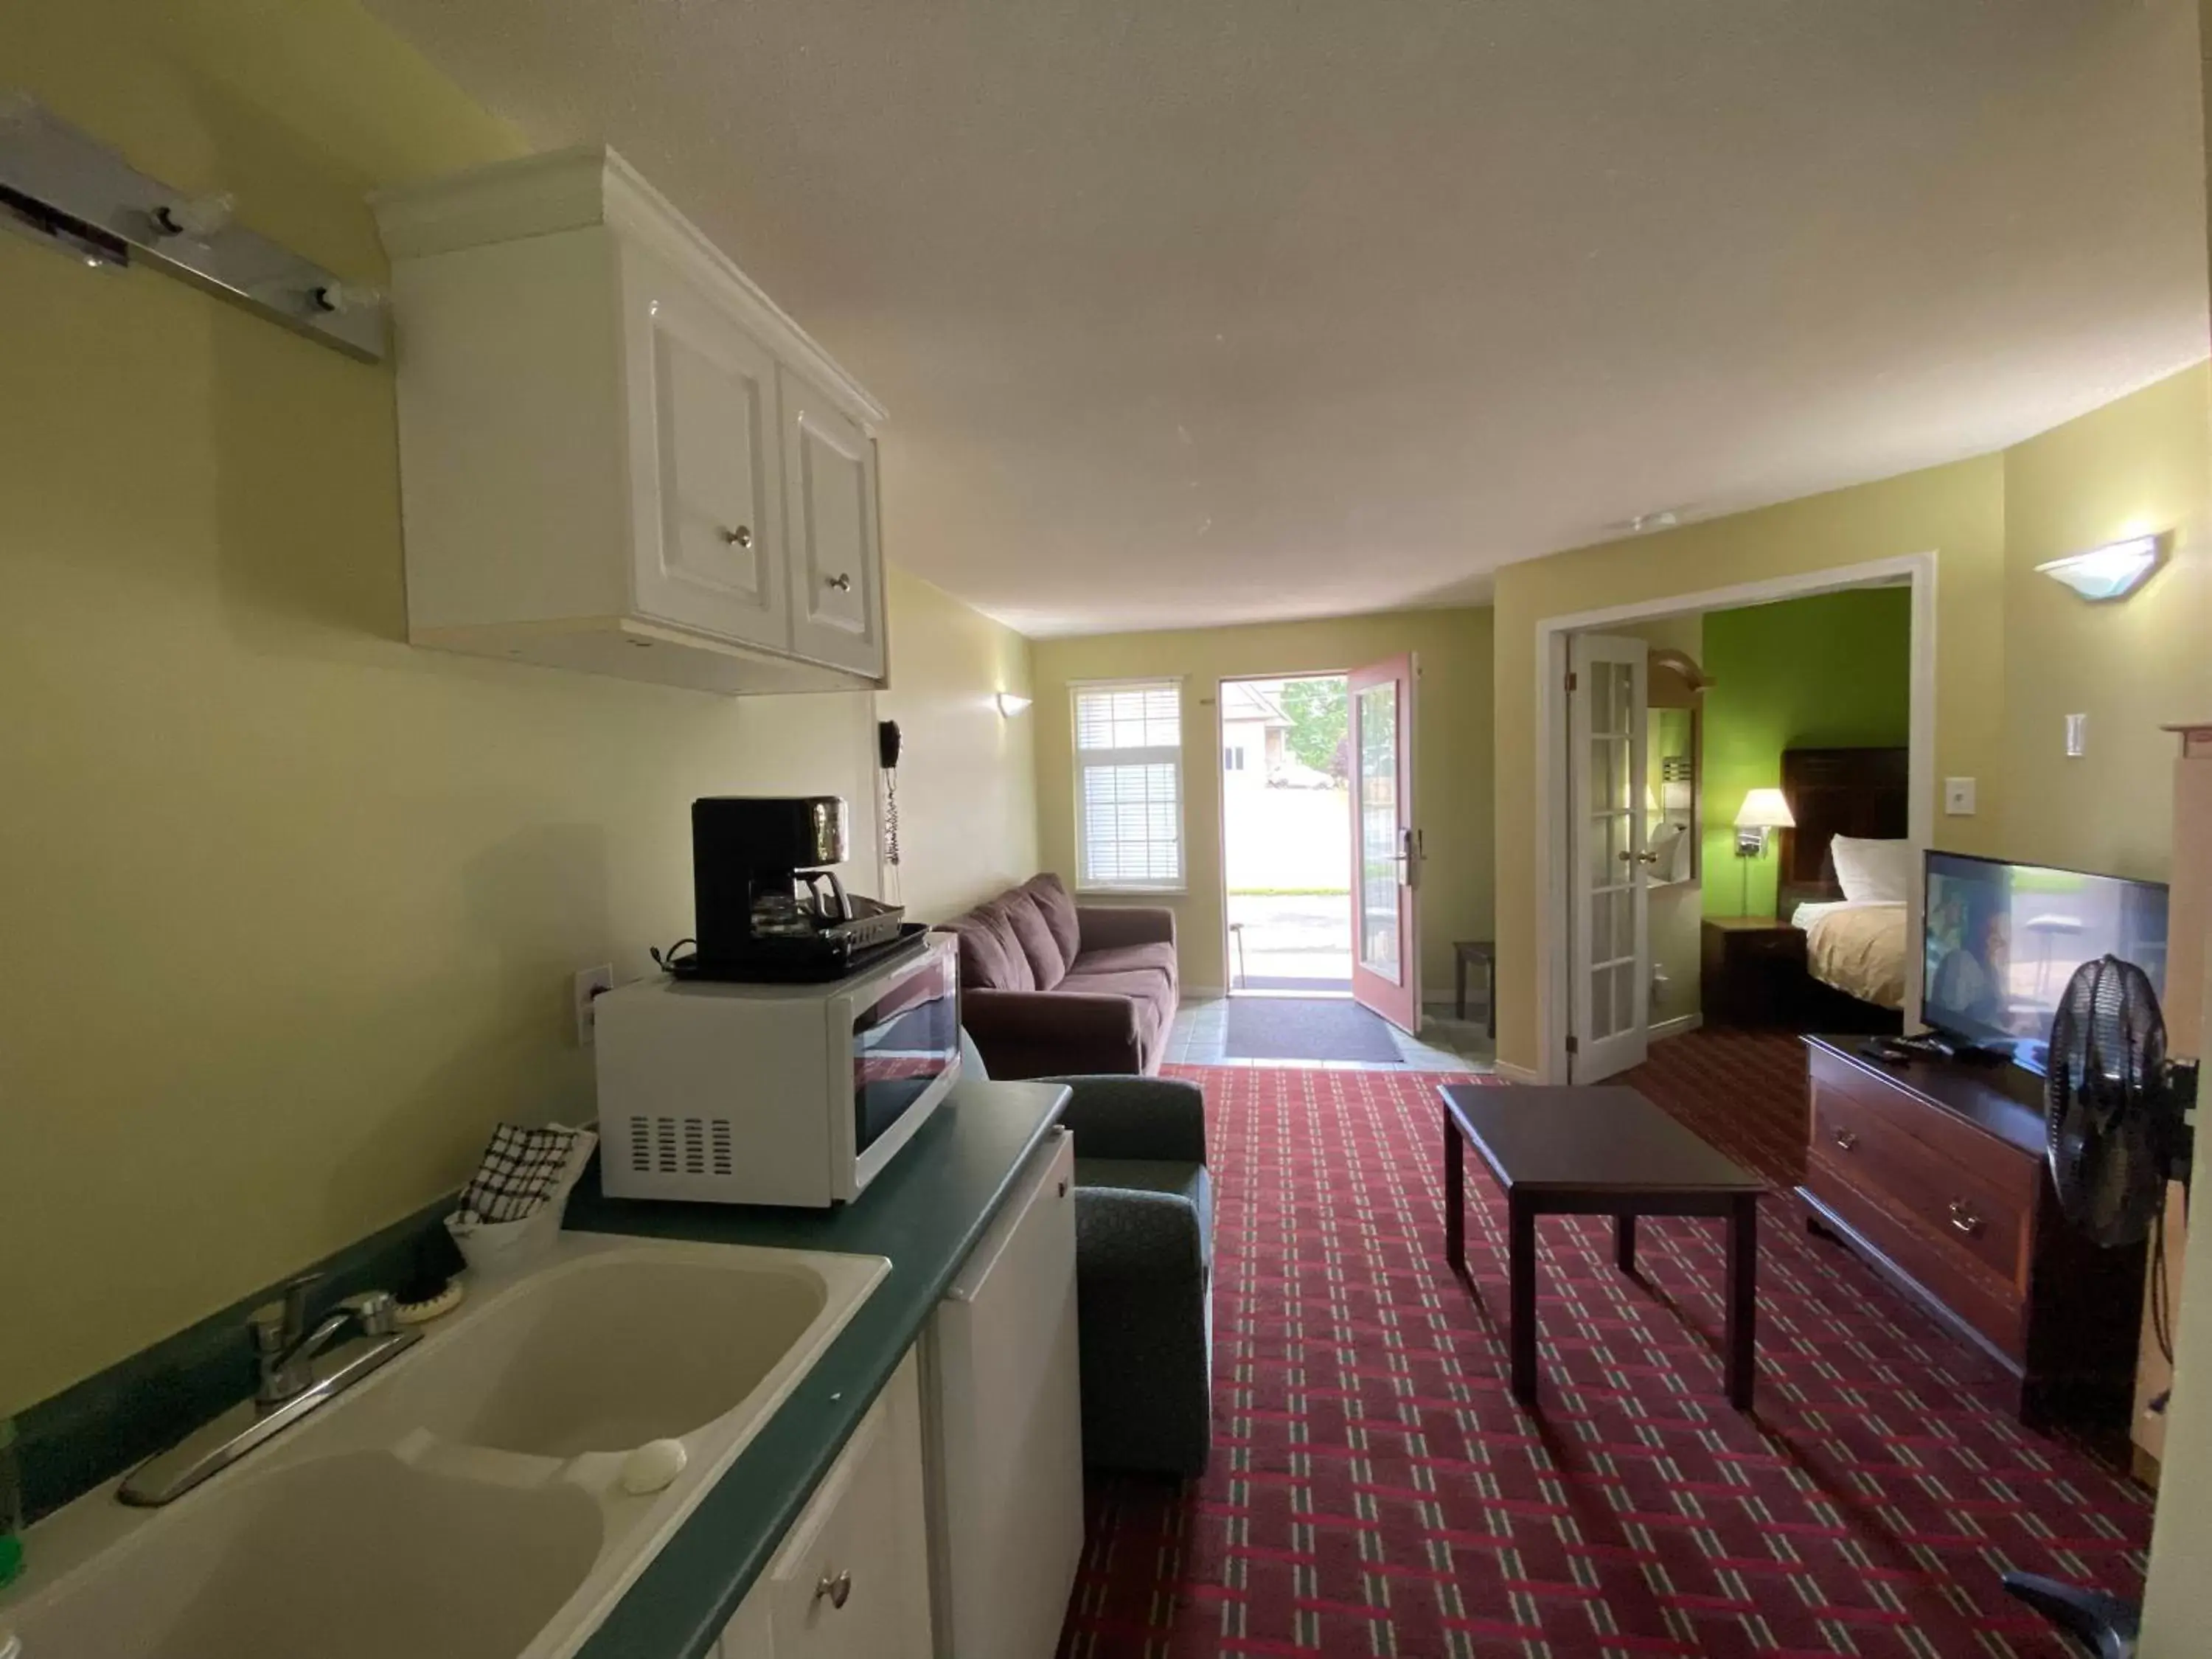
{"points": [[1854, 951]]}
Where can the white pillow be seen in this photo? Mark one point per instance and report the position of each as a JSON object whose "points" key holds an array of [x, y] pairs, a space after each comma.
{"points": [[1872, 872]]}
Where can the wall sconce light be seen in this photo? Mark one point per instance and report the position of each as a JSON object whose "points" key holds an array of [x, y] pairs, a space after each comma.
{"points": [[1764, 811], [1011, 703], [2111, 572]]}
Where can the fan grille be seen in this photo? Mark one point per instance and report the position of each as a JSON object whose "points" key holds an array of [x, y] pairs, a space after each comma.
{"points": [[2109, 1124]]}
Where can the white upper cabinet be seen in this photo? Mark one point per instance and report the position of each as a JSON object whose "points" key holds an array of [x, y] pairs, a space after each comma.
{"points": [[829, 491], [617, 455]]}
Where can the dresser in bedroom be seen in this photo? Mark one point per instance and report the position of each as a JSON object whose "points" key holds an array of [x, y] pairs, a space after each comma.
{"points": [[1933, 1172]]}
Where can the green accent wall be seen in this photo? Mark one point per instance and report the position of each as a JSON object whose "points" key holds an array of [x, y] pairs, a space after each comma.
{"points": [[1834, 670]]}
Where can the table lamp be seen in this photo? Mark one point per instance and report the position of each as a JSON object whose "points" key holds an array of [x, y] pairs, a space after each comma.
{"points": [[1762, 812]]}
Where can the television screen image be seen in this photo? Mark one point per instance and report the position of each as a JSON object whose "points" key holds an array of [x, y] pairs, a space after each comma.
{"points": [[2001, 940]]}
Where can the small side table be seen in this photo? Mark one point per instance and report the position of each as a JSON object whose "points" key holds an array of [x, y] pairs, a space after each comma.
{"points": [[1485, 953], [1752, 972]]}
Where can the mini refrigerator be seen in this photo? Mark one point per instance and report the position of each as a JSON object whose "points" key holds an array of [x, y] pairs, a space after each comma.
{"points": [[1005, 1432]]}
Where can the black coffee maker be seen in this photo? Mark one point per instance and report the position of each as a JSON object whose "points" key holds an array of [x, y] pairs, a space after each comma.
{"points": [[769, 905]]}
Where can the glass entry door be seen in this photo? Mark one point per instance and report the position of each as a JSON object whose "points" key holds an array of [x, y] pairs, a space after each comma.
{"points": [[1385, 846], [1610, 950]]}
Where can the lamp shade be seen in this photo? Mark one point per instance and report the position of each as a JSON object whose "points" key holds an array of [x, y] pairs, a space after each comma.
{"points": [[1765, 808]]}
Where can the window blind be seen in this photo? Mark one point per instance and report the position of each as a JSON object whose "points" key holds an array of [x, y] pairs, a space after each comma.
{"points": [[1128, 756]]}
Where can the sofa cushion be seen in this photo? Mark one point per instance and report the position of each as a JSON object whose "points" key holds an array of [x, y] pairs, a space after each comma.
{"points": [[1034, 937], [1147, 988], [1058, 910], [990, 959], [1122, 958]]}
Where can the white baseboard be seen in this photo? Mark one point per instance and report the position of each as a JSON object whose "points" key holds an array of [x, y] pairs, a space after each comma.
{"points": [[1191, 992], [1512, 1074], [1676, 1026]]}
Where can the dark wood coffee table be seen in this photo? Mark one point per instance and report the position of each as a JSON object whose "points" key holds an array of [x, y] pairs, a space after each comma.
{"points": [[1595, 1152]]}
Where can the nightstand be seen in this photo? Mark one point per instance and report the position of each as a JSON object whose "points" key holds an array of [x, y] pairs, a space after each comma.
{"points": [[1752, 972]]}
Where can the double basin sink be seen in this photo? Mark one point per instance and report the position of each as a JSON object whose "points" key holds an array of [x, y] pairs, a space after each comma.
{"points": [[468, 1500]]}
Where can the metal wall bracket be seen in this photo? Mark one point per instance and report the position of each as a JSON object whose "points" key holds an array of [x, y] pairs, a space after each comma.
{"points": [[62, 187]]}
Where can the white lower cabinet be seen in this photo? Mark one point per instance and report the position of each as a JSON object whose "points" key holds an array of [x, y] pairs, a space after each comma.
{"points": [[851, 1580], [951, 1525]]}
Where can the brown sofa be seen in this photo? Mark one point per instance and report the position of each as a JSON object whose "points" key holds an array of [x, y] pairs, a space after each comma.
{"points": [[1049, 988]]}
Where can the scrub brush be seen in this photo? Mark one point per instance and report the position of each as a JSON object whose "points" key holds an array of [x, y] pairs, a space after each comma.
{"points": [[431, 1307]]}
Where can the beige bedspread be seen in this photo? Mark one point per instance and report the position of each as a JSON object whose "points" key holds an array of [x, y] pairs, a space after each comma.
{"points": [[1860, 950]]}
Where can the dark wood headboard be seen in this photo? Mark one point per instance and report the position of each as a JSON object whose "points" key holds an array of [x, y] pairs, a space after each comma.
{"points": [[1835, 792]]}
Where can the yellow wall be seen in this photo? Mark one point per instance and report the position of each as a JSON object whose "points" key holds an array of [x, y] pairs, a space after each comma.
{"points": [[2144, 464], [292, 907], [1956, 512], [2178, 1603], [1452, 757], [966, 784]]}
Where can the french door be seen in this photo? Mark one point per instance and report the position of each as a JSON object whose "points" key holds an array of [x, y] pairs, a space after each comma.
{"points": [[1386, 849], [1609, 948]]}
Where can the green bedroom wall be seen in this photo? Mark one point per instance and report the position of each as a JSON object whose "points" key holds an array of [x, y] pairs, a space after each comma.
{"points": [[1832, 671]]}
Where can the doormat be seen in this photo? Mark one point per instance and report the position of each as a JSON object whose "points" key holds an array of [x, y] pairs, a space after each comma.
{"points": [[1293, 1028]]}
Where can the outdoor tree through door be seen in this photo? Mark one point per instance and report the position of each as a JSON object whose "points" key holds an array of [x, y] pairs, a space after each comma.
{"points": [[1610, 946], [1385, 848]]}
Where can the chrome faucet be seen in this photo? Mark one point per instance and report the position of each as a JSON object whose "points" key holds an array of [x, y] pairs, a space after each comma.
{"points": [[292, 1383], [287, 1349]]}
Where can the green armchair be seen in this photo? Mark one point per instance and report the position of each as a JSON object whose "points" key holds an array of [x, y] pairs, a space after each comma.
{"points": [[1144, 1270]]}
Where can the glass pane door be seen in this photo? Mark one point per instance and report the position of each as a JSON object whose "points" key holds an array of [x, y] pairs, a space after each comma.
{"points": [[1380, 853], [1609, 949], [1386, 850]]}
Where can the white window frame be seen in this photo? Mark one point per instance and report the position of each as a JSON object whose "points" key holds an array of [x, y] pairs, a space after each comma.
{"points": [[1157, 755], [1232, 758]]}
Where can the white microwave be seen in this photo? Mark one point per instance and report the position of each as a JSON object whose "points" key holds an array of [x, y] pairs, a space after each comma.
{"points": [[726, 1093]]}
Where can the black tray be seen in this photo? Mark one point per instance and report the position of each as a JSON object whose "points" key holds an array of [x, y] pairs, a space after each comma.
{"points": [[801, 961]]}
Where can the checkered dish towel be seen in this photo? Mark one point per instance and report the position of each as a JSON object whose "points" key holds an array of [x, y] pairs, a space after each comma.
{"points": [[522, 1170]]}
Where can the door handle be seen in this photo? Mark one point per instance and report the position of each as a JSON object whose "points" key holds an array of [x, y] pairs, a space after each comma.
{"points": [[841, 582], [835, 1591]]}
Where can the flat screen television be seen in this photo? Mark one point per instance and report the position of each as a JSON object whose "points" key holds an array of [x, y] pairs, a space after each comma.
{"points": [[1999, 942]]}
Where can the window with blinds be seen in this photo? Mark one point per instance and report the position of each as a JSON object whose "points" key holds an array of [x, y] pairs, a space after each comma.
{"points": [[1128, 784]]}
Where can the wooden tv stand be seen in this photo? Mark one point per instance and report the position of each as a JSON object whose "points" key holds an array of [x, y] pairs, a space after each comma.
{"points": [[1934, 1173]]}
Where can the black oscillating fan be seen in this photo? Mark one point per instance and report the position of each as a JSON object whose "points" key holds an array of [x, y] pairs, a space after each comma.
{"points": [[2116, 1117]]}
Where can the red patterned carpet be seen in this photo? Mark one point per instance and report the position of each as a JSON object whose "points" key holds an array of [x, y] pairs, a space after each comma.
{"points": [[1374, 1490], [1743, 1091]]}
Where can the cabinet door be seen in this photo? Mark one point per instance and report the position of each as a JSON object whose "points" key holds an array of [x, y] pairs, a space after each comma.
{"points": [[836, 560], [851, 1580], [707, 490]]}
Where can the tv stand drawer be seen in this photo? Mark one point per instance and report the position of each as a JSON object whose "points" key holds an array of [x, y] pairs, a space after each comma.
{"points": [[1937, 1274], [1980, 1212]]}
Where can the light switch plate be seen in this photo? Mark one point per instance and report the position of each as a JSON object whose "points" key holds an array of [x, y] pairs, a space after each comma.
{"points": [[2077, 736], [1959, 796]]}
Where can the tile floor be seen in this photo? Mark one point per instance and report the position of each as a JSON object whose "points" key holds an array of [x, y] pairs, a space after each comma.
{"points": [[1445, 1045]]}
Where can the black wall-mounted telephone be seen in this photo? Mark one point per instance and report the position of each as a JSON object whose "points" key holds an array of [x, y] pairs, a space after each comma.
{"points": [[887, 757]]}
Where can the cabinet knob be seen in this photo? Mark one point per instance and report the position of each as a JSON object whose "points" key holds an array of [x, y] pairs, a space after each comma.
{"points": [[841, 581], [1846, 1139], [741, 536], [836, 1590], [1964, 1220]]}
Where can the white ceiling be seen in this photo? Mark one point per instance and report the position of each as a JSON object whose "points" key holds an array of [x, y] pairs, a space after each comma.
{"points": [[1210, 311]]}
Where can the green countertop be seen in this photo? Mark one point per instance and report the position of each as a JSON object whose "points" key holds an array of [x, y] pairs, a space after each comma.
{"points": [[925, 1211]]}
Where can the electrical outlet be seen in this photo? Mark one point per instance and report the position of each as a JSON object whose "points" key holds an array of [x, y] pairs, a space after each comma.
{"points": [[2077, 736], [1959, 796], [590, 981]]}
